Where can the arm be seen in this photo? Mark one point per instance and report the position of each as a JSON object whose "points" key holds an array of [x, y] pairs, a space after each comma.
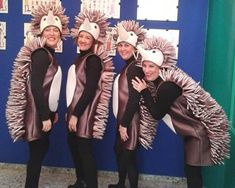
{"points": [[39, 66], [167, 93], [134, 96], [93, 73], [132, 103]]}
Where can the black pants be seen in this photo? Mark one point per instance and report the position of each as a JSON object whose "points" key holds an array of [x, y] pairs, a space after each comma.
{"points": [[127, 165], [37, 152], [85, 166], [194, 176]]}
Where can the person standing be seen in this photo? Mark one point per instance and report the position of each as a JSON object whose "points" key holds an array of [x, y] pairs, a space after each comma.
{"points": [[88, 94], [31, 110], [126, 103], [190, 111]]}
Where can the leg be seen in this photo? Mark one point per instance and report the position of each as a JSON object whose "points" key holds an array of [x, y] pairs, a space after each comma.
{"points": [[37, 151], [132, 168], [121, 165], [72, 142], [87, 162], [194, 176]]}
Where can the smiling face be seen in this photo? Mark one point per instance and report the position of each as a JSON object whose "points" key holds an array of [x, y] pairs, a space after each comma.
{"points": [[151, 70], [85, 41], [52, 35], [125, 50]]}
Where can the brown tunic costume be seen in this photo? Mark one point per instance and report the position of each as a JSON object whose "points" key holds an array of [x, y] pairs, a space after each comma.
{"points": [[123, 96], [92, 122], [196, 142], [22, 118], [85, 122], [197, 117], [33, 125]]}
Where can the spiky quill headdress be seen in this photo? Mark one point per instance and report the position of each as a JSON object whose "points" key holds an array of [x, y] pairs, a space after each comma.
{"points": [[129, 31], [51, 14], [159, 51], [93, 22]]}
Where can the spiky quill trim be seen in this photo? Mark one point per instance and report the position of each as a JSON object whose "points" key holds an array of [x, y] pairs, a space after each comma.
{"points": [[102, 111], [17, 101], [148, 127], [43, 10], [93, 16], [206, 109], [132, 25]]}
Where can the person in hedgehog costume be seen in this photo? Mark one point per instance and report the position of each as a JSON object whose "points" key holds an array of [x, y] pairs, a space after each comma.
{"points": [[189, 110], [88, 94], [126, 104], [35, 87]]}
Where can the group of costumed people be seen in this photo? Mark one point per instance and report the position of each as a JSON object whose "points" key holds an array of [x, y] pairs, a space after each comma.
{"points": [[150, 87]]}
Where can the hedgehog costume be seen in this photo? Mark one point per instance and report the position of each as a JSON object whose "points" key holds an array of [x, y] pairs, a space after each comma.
{"points": [[187, 109], [126, 104], [88, 94], [35, 87]]}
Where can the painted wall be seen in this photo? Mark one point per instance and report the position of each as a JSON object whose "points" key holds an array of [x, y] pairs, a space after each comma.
{"points": [[167, 156]]}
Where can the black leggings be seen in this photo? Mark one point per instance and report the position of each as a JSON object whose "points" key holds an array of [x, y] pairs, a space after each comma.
{"points": [[85, 166], [194, 176], [37, 152], [126, 163]]}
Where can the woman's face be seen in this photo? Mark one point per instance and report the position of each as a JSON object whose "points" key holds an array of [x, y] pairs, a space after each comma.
{"points": [[52, 35], [151, 70], [125, 50], [85, 41]]}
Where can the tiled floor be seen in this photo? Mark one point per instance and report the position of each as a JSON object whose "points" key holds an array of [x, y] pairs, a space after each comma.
{"points": [[13, 176]]}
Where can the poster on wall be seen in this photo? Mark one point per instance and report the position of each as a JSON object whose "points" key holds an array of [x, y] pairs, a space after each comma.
{"points": [[111, 8], [157, 10], [28, 37], [3, 6], [2, 35], [109, 43], [171, 35], [29, 5]]}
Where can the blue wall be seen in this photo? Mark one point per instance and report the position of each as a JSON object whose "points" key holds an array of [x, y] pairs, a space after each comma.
{"points": [[167, 156]]}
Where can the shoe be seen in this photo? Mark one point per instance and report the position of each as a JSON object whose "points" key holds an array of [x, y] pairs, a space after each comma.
{"points": [[115, 186], [78, 184]]}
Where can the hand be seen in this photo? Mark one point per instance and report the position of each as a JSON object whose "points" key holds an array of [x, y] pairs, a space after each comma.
{"points": [[73, 123], [123, 133], [138, 84], [46, 125], [56, 118]]}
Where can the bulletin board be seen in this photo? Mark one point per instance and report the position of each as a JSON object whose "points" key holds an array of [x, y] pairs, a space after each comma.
{"points": [[182, 22]]}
